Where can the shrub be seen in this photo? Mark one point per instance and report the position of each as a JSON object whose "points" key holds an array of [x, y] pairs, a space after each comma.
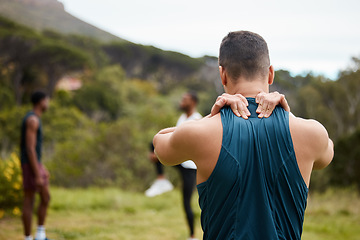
{"points": [[10, 185]]}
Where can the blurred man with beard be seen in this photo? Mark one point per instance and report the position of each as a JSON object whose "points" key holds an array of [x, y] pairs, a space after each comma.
{"points": [[186, 169]]}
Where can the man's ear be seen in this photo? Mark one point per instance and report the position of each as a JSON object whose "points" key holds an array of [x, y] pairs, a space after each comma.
{"points": [[223, 75], [271, 75]]}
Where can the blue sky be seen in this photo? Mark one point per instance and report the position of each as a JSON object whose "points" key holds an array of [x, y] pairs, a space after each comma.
{"points": [[309, 35]]}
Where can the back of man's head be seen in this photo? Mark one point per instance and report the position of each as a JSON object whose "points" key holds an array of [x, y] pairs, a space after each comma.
{"points": [[244, 54], [37, 97], [194, 97]]}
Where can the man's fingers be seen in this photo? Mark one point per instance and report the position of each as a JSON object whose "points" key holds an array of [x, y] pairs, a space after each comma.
{"points": [[234, 107], [284, 103], [217, 106], [270, 108], [259, 96], [268, 101], [242, 109], [260, 106], [263, 108], [243, 99], [244, 115], [238, 104]]}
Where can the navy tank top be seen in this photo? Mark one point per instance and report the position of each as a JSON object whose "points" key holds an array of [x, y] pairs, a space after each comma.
{"points": [[256, 191], [24, 157]]}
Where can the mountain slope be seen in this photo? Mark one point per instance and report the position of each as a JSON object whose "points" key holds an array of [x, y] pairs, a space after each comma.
{"points": [[50, 14]]}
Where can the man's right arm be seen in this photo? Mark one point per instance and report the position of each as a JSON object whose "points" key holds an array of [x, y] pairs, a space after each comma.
{"points": [[32, 125]]}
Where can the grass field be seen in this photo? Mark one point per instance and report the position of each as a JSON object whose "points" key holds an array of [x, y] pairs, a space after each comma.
{"points": [[112, 214]]}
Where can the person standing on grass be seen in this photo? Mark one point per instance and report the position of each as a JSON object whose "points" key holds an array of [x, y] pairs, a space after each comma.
{"points": [[35, 175], [186, 169], [253, 174]]}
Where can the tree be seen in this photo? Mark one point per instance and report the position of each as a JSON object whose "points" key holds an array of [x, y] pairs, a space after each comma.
{"points": [[57, 59], [345, 169], [15, 55], [101, 97]]}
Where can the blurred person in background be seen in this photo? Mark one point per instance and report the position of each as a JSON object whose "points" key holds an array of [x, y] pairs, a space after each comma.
{"points": [[186, 169], [35, 175]]}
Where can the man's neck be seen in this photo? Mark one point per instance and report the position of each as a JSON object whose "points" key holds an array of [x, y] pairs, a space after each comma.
{"points": [[190, 112], [37, 111], [248, 88]]}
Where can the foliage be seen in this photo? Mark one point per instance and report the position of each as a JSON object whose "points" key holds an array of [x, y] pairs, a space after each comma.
{"points": [[10, 185], [102, 97], [112, 151], [166, 68], [345, 169], [10, 120]]}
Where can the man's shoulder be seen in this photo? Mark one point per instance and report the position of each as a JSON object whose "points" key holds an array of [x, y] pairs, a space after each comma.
{"points": [[307, 125], [199, 137], [32, 121], [181, 119], [310, 130], [200, 127]]}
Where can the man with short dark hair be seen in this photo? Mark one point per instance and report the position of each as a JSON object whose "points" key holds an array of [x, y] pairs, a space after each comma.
{"points": [[253, 172], [35, 175]]}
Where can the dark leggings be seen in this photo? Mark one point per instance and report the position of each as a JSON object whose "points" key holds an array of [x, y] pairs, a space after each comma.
{"points": [[159, 168], [188, 177]]}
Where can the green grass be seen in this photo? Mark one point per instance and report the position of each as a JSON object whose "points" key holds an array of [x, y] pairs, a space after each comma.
{"points": [[112, 214]]}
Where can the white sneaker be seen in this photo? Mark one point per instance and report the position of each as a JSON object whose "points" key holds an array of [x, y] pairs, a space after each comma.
{"points": [[192, 238], [160, 186]]}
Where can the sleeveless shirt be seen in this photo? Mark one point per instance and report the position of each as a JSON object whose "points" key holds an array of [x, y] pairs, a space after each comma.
{"points": [[24, 157], [256, 191]]}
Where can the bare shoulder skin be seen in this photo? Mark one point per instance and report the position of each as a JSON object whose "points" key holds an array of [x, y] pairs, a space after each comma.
{"points": [[313, 147], [199, 141]]}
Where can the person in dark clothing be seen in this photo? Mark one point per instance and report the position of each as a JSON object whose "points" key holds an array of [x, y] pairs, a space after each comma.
{"points": [[35, 175], [186, 169]]}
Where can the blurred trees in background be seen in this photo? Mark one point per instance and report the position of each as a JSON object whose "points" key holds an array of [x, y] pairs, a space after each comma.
{"points": [[99, 134]]}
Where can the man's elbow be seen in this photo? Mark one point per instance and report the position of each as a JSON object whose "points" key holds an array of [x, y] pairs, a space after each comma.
{"points": [[327, 157], [161, 159], [158, 150], [154, 142]]}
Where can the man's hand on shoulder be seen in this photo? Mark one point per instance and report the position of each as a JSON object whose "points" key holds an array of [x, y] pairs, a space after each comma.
{"points": [[238, 104], [268, 101]]}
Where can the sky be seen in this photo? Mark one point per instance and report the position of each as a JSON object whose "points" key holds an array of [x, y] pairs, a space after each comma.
{"points": [[309, 35]]}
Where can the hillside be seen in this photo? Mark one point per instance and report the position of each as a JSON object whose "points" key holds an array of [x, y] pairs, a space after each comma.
{"points": [[166, 69], [50, 14]]}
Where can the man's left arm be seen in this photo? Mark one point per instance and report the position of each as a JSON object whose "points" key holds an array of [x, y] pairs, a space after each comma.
{"points": [[174, 145]]}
